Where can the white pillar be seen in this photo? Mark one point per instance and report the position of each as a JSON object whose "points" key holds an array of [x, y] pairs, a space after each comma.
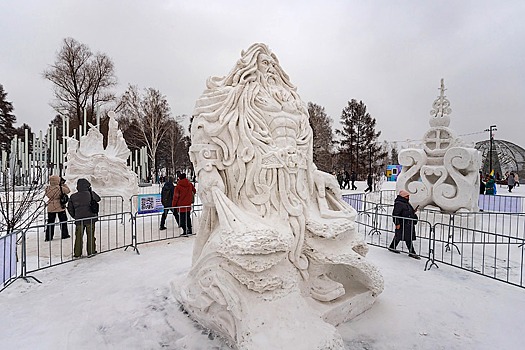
{"points": [[26, 153], [57, 157], [85, 122], [47, 147], [98, 118], [40, 149], [4, 160], [61, 146], [19, 160], [63, 126]]}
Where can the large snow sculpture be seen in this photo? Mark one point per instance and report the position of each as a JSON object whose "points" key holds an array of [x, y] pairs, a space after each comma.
{"points": [[106, 169], [445, 173], [277, 261]]}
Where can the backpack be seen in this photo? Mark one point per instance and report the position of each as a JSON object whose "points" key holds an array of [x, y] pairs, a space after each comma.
{"points": [[165, 196], [64, 198], [93, 204]]}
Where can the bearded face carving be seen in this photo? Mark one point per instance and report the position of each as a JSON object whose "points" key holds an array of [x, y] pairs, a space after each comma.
{"points": [[274, 231]]}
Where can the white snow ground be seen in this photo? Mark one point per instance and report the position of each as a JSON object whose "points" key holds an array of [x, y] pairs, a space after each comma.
{"points": [[121, 300]]}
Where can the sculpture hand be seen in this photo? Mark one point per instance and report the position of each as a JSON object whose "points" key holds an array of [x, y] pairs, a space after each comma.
{"points": [[207, 181], [325, 181]]}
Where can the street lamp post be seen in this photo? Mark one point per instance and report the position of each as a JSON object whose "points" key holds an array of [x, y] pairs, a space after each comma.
{"points": [[491, 130]]}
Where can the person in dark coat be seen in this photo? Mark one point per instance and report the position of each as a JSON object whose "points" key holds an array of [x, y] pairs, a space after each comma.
{"points": [[405, 219], [340, 178], [369, 182], [481, 187], [182, 201], [510, 181], [166, 197], [353, 178], [481, 184], [54, 191], [490, 186], [346, 181], [80, 209]]}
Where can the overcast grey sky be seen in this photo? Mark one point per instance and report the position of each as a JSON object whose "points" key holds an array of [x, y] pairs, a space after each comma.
{"points": [[389, 54]]}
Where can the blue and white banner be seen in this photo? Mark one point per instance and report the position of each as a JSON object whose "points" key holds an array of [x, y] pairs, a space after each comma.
{"points": [[149, 203], [355, 200], [7, 257], [503, 204]]}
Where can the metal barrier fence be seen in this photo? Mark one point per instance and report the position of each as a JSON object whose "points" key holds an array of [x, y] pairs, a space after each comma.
{"points": [[491, 244], [25, 252], [112, 205], [147, 226], [8, 259], [490, 203]]}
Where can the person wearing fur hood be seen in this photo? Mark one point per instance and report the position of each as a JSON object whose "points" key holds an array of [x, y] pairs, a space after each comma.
{"points": [[80, 209], [54, 191]]}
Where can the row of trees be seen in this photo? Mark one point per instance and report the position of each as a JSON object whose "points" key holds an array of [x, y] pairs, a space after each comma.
{"points": [[83, 86], [354, 147]]}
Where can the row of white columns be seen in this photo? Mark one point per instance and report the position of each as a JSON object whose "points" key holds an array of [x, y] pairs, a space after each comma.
{"points": [[23, 165]]}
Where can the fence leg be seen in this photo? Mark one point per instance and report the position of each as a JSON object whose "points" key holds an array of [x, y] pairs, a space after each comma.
{"points": [[375, 221], [134, 243], [451, 236], [23, 264], [431, 249]]}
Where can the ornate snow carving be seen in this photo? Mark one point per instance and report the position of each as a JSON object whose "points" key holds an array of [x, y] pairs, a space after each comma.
{"points": [[106, 169], [277, 258], [445, 172]]}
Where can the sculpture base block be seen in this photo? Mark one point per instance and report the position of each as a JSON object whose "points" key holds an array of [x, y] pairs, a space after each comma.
{"points": [[337, 312], [289, 322]]}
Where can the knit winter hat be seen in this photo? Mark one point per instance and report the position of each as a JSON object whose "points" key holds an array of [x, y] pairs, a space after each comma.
{"points": [[404, 194]]}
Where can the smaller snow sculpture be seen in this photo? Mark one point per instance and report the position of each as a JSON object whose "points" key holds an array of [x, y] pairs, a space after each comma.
{"points": [[445, 172], [106, 169]]}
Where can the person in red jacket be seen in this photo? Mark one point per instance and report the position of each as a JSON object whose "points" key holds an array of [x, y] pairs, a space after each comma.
{"points": [[182, 201]]}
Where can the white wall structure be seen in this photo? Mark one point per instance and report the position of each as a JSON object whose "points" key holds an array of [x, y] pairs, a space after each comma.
{"points": [[106, 169], [277, 262], [445, 173]]}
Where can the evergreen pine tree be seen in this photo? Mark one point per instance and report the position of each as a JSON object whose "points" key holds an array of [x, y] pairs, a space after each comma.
{"points": [[322, 137], [394, 154], [7, 119], [358, 145]]}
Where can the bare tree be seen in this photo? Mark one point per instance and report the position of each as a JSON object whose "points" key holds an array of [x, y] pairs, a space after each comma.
{"points": [[19, 207], [173, 152], [145, 120], [323, 137], [81, 79]]}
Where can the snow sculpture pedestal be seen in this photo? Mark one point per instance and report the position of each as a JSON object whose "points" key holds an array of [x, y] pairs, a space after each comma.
{"points": [[106, 169], [445, 173], [277, 262]]}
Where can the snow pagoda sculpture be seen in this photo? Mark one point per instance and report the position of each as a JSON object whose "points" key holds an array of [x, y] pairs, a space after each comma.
{"points": [[445, 173], [277, 262], [106, 169]]}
